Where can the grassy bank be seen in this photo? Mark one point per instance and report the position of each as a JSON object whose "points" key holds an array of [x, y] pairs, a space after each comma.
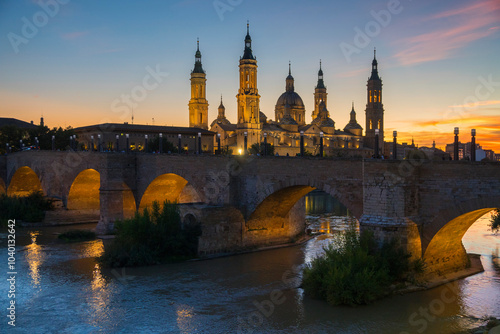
{"points": [[29, 209], [153, 237], [355, 270], [77, 236]]}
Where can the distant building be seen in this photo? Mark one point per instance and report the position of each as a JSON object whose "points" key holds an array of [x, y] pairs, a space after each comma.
{"points": [[18, 123], [137, 136]]}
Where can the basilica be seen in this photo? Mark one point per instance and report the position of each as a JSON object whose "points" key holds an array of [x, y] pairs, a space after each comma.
{"points": [[289, 124]]}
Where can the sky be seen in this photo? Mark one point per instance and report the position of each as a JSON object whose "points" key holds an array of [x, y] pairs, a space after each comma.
{"points": [[87, 62]]}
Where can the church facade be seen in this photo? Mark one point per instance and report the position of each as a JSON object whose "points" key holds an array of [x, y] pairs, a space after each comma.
{"points": [[290, 120]]}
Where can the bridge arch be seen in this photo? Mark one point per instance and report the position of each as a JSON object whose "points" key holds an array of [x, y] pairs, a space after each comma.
{"points": [[24, 182], [442, 246], [171, 187], [84, 194]]}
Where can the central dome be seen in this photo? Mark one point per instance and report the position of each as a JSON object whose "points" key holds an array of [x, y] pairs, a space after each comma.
{"points": [[291, 98]]}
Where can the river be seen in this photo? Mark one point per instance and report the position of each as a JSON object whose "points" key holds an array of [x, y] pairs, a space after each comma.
{"points": [[61, 289]]}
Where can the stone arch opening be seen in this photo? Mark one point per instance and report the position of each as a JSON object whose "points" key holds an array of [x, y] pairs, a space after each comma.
{"points": [[189, 220], [445, 251], [171, 187], [24, 182], [84, 194]]}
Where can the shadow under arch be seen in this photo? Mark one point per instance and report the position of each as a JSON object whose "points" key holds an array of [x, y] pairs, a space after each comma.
{"points": [[84, 194], [171, 187], [24, 182], [3, 188], [445, 251]]}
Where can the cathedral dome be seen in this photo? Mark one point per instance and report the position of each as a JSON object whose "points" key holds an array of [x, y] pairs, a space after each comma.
{"points": [[291, 98]]}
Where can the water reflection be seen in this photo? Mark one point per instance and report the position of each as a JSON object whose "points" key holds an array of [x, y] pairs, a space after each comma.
{"points": [[185, 314], [34, 257]]}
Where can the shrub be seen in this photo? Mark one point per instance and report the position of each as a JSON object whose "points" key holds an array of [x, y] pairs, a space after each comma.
{"points": [[77, 236], [495, 221], [355, 270], [29, 209], [152, 238]]}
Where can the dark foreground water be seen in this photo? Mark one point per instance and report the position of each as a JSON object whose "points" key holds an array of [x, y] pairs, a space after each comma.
{"points": [[61, 289]]}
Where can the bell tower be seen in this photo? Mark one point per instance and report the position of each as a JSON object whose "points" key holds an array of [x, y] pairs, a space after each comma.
{"points": [[319, 93], [198, 105], [248, 98], [374, 108]]}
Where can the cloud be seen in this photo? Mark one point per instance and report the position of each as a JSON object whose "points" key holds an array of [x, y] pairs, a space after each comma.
{"points": [[477, 104], [464, 25], [74, 35]]}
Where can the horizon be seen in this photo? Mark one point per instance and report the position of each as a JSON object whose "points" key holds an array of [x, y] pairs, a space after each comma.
{"points": [[437, 61]]}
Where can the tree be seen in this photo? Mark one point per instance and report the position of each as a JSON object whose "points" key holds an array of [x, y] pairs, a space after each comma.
{"points": [[495, 221], [167, 146], [259, 149]]}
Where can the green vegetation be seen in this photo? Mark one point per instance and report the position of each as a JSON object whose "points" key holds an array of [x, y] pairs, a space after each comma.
{"points": [[259, 149], [29, 209], [355, 270], [153, 237], [495, 221], [77, 236], [12, 134], [167, 146]]}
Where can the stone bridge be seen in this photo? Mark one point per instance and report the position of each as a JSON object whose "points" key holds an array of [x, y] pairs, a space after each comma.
{"points": [[246, 202]]}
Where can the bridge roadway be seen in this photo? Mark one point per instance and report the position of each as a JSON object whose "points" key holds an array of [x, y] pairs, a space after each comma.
{"points": [[244, 202]]}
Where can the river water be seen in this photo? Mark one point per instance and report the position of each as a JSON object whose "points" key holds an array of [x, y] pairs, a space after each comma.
{"points": [[61, 289]]}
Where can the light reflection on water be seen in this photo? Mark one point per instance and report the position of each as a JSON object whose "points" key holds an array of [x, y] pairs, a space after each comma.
{"points": [[62, 289]]}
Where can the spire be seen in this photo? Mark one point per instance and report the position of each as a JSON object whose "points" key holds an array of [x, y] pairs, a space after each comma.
{"points": [[353, 114], [374, 75], [198, 68], [321, 83], [222, 109], [289, 79], [248, 45]]}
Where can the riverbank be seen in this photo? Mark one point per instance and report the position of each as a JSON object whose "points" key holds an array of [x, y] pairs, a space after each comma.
{"points": [[434, 281]]}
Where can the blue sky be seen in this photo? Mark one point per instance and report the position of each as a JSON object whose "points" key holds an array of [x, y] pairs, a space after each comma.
{"points": [[86, 55]]}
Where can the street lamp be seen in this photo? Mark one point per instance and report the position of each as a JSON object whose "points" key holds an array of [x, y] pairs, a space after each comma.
{"points": [[127, 143], [180, 148], [246, 142], [218, 143], [199, 142], [321, 135], [92, 143], [145, 143], [99, 145], [265, 143], [160, 144], [377, 131], [301, 143]]}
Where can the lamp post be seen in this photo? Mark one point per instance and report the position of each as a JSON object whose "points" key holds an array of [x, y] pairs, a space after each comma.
{"points": [[53, 143], [301, 143], [92, 143], [145, 143], [117, 146], [199, 142], [6, 148], [99, 146], [377, 131], [395, 145], [37, 143], [321, 134], [160, 144], [180, 147], [473, 145], [265, 143], [455, 150], [218, 143], [127, 149], [246, 142], [74, 143]]}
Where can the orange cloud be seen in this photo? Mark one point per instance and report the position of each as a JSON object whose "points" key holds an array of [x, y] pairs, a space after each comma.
{"points": [[477, 104], [464, 25]]}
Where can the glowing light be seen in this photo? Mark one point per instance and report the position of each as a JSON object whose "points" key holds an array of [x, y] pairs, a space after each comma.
{"points": [[24, 182], [240, 151], [34, 257]]}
